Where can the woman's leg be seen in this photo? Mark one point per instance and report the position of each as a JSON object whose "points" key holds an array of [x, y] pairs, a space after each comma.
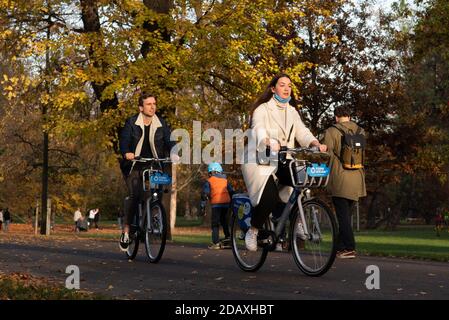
{"points": [[268, 202]]}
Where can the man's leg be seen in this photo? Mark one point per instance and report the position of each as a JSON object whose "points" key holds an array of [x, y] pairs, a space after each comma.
{"points": [[134, 185], [346, 239]]}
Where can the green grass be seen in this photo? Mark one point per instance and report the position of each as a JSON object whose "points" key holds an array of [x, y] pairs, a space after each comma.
{"points": [[183, 222], [418, 242], [193, 239], [409, 241]]}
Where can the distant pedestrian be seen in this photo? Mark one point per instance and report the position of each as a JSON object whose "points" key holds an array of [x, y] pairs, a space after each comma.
{"points": [[91, 218], [97, 218], [439, 220], [6, 219], [1, 219], [76, 217]]}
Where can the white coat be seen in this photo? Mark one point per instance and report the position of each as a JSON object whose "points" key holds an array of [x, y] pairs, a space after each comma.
{"points": [[267, 123]]}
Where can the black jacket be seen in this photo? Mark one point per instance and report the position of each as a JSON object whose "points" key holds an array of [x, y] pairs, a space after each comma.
{"points": [[131, 134]]}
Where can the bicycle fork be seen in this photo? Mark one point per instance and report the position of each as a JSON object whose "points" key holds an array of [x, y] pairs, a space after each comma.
{"points": [[302, 216]]}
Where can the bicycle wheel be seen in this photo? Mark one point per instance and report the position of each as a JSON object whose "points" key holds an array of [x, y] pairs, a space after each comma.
{"points": [[315, 255], [155, 232], [133, 246], [247, 260]]}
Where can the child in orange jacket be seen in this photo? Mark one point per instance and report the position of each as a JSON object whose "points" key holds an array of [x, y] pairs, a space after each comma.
{"points": [[219, 192]]}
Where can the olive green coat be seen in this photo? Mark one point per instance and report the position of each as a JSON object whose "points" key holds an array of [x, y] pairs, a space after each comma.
{"points": [[349, 184]]}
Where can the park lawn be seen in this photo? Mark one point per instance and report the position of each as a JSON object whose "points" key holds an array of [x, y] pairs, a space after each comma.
{"points": [[409, 241], [415, 242]]}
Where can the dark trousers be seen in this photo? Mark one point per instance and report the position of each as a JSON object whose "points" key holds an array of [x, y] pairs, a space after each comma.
{"points": [[270, 201], [219, 216], [134, 184], [92, 223], [343, 208], [135, 193]]}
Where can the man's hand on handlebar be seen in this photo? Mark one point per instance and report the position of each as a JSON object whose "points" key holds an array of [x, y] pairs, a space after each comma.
{"points": [[174, 158], [129, 156]]}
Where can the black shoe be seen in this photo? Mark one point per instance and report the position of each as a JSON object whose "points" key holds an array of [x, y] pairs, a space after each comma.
{"points": [[124, 241]]}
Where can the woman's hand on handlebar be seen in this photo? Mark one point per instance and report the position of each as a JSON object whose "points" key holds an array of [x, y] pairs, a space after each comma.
{"points": [[273, 144]]}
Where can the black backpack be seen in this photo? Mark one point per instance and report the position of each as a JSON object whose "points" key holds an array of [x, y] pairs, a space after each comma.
{"points": [[352, 153]]}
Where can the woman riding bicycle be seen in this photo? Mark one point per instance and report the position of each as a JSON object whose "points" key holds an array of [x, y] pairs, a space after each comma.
{"points": [[275, 123], [145, 135]]}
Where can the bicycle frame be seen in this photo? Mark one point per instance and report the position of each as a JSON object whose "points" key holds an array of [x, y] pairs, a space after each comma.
{"points": [[298, 194], [146, 186], [295, 197]]}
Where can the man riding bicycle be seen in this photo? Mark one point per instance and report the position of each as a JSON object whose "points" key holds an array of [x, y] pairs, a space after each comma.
{"points": [[148, 136]]}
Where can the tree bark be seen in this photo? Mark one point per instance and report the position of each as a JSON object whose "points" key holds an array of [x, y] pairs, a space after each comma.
{"points": [[173, 196], [91, 21], [158, 6]]}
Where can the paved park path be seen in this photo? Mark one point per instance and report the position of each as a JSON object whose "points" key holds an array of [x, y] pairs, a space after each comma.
{"points": [[194, 272]]}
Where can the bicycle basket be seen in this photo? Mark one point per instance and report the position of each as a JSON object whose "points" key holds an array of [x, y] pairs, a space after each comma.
{"points": [[309, 175]]}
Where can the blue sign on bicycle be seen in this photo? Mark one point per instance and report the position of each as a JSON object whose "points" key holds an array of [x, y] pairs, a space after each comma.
{"points": [[318, 170], [160, 178]]}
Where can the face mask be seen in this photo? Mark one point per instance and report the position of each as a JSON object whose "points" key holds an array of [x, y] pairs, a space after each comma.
{"points": [[286, 100]]}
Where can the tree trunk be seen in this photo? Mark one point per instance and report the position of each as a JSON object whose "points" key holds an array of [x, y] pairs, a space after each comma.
{"points": [[91, 22], [173, 199], [158, 6], [371, 215]]}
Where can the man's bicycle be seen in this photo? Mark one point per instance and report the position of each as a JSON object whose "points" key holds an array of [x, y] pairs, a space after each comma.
{"points": [[310, 224], [150, 221]]}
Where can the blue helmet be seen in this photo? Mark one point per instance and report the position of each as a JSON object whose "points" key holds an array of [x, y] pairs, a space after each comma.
{"points": [[214, 166]]}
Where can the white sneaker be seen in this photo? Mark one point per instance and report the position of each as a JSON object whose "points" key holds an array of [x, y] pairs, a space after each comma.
{"points": [[300, 231], [278, 247], [251, 239], [124, 242]]}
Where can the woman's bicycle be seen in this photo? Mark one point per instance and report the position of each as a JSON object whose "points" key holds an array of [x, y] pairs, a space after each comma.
{"points": [[150, 221], [310, 224]]}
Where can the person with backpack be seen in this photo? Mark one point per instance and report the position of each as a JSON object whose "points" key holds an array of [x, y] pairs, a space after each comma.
{"points": [[346, 144]]}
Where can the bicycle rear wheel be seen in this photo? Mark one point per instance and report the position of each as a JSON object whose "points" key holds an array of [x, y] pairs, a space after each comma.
{"points": [[247, 260], [155, 232], [315, 255]]}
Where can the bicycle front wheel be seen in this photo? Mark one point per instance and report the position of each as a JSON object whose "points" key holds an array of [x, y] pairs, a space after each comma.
{"points": [[247, 260], [133, 246], [315, 255], [155, 232]]}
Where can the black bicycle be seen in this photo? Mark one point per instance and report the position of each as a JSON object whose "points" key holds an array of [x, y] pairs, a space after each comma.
{"points": [[150, 221], [311, 224]]}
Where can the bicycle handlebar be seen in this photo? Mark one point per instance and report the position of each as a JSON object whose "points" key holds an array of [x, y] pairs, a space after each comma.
{"points": [[140, 159], [313, 150]]}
